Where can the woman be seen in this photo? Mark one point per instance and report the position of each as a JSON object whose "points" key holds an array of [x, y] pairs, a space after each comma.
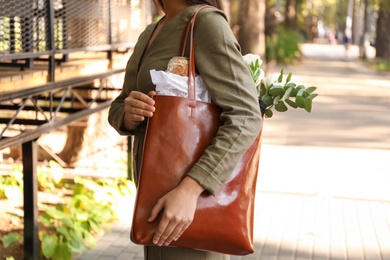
{"points": [[221, 66]]}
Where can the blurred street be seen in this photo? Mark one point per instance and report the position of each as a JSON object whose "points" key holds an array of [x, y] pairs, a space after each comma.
{"points": [[324, 178]]}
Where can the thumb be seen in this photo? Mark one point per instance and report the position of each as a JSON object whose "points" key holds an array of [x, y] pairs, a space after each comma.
{"points": [[152, 94], [156, 209]]}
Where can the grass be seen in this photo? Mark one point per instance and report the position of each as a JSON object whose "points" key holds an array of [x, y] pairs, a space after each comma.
{"points": [[379, 64]]}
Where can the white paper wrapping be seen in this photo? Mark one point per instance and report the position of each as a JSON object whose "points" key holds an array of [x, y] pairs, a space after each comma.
{"points": [[170, 84]]}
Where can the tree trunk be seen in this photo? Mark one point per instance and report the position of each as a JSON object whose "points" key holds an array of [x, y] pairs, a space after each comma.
{"points": [[382, 43], [74, 142], [251, 34], [270, 20], [364, 42], [291, 20]]}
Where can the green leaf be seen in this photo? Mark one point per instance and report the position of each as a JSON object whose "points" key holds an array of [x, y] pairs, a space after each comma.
{"points": [[308, 105], [311, 90], [281, 107], [300, 101], [276, 100], [46, 220], [288, 77], [11, 239], [77, 242], [291, 103], [287, 93], [312, 96], [54, 213], [305, 94], [263, 89], [64, 231], [94, 225], [90, 240], [276, 90], [300, 92], [294, 92], [290, 84], [77, 247], [69, 222], [268, 113], [268, 100], [62, 252], [49, 244], [280, 78], [77, 235]]}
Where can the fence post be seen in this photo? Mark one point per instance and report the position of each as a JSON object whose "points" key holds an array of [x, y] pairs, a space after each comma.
{"points": [[110, 52], [30, 185], [50, 40]]}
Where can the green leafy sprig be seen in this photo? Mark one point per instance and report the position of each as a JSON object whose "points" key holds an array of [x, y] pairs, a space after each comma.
{"points": [[278, 95]]}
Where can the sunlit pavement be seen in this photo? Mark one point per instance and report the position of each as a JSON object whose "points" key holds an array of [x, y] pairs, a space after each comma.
{"points": [[323, 185]]}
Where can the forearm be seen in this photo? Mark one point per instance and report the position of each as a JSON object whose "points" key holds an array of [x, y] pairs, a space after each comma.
{"points": [[190, 185]]}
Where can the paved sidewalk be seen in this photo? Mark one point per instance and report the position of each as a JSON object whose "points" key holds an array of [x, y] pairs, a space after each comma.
{"points": [[301, 214], [323, 185]]}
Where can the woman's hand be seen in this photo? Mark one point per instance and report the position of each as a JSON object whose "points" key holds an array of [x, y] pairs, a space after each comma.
{"points": [[179, 209], [138, 106]]}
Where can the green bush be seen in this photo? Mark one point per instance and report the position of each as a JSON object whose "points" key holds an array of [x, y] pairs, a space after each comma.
{"points": [[72, 226], [77, 223], [379, 64], [284, 46]]}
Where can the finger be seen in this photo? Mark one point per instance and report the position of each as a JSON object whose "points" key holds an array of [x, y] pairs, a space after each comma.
{"points": [[156, 209], [136, 113], [142, 97], [175, 234], [162, 226], [138, 104], [184, 228], [164, 236]]}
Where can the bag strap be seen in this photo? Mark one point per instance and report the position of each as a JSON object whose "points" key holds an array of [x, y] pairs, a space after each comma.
{"points": [[189, 30]]}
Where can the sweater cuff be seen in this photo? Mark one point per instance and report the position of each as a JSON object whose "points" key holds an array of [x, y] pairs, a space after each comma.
{"points": [[206, 179]]}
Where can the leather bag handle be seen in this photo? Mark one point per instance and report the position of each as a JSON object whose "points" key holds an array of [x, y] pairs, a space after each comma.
{"points": [[189, 30]]}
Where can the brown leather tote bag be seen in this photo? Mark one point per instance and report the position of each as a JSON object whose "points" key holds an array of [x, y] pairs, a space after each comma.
{"points": [[176, 136]]}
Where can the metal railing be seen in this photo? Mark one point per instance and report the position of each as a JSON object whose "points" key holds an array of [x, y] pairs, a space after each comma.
{"points": [[43, 29]]}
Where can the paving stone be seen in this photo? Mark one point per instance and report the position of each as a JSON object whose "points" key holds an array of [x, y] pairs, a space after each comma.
{"points": [[113, 251], [126, 256]]}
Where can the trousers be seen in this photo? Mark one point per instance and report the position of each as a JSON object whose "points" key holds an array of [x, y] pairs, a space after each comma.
{"points": [[180, 253]]}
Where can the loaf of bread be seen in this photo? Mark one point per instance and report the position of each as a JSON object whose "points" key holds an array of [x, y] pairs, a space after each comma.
{"points": [[178, 65]]}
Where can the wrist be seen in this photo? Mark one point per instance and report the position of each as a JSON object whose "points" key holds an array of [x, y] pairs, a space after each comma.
{"points": [[191, 185], [129, 124]]}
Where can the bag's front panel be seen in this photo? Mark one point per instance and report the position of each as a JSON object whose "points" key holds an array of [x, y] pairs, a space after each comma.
{"points": [[177, 134]]}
